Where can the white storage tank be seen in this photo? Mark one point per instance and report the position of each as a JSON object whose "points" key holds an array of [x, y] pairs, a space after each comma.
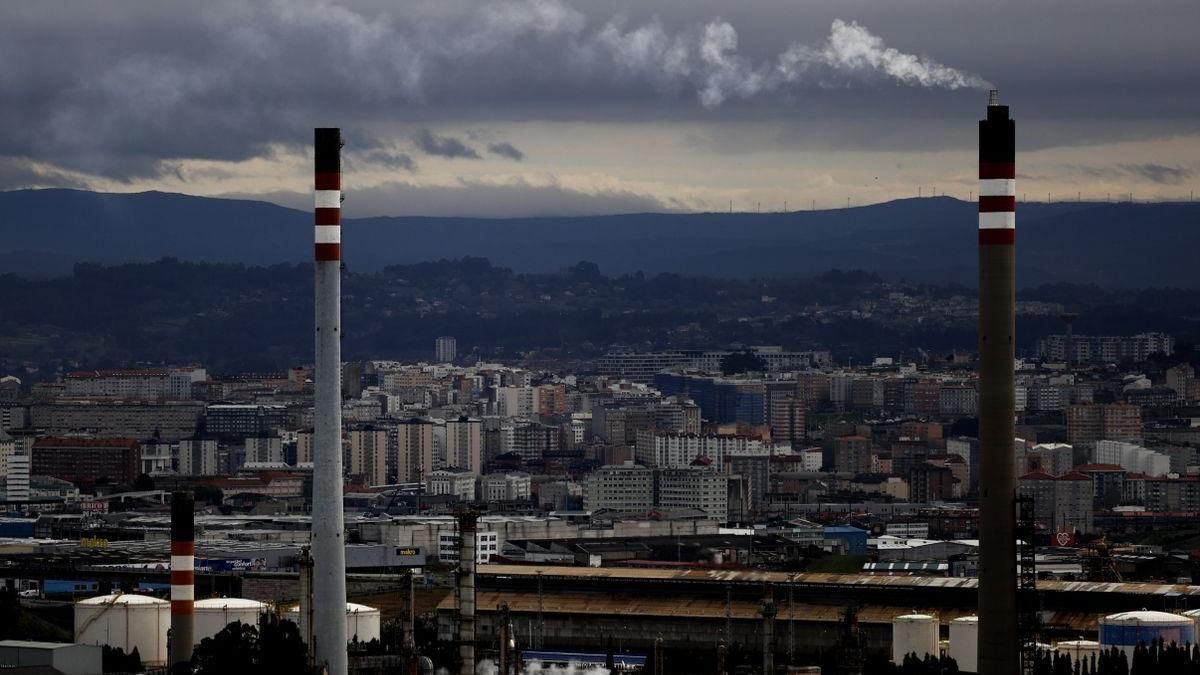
{"points": [[914, 633], [125, 621], [214, 614], [1125, 630], [964, 643], [361, 620], [1079, 650], [1195, 615]]}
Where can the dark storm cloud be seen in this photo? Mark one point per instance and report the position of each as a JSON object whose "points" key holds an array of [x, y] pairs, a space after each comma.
{"points": [[443, 146], [16, 172], [474, 198], [1161, 174], [507, 150], [1099, 172], [389, 159], [115, 91], [122, 89]]}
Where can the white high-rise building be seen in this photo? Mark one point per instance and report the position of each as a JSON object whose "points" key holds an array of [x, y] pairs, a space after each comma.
{"points": [[812, 460], [180, 381], [519, 402], [8, 448], [304, 447], [368, 455], [676, 451], [1133, 458], [446, 348], [13, 416], [410, 454], [264, 449], [704, 489], [18, 477], [439, 444], [464, 444], [623, 488], [198, 457], [157, 458]]}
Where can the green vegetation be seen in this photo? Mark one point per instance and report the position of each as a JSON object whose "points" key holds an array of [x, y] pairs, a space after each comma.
{"points": [[1179, 538], [115, 660], [274, 646], [18, 623], [743, 362], [234, 318]]}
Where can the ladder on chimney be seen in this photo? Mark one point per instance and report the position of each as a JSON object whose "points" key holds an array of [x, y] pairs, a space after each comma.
{"points": [[1028, 606]]}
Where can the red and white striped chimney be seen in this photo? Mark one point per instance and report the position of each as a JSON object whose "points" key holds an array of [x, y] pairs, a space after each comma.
{"points": [[328, 523], [999, 646], [997, 177], [183, 576], [328, 235]]}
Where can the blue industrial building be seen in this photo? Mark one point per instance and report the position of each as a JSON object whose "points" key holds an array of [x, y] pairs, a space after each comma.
{"points": [[854, 540], [720, 400]]}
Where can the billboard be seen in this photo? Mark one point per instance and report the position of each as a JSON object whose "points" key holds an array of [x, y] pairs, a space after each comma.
{"points": [[230, 564], [1062, 538], [94, 506]]}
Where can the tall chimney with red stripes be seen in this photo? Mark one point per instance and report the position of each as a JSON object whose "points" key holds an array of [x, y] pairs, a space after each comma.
{"points": [[328, 542], [999, 646], [183, 576]]}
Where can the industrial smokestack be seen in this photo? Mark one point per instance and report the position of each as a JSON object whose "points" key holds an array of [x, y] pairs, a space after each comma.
{"points": [[328, 544], [466, 590], [305, 564], [999, 647], [508, 644], [768, 611], [183, 577], [410, 623]]}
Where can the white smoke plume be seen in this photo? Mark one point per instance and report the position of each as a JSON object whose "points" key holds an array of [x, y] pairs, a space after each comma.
{"points": [[238, 78], [852, 48], [707, 60], [562, 50]]}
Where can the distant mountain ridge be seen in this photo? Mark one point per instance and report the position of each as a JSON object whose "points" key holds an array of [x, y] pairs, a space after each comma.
{"points": [[1119, 245]]}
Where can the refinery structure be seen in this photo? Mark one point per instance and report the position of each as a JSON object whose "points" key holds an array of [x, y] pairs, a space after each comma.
{"points": [[668, 513]]}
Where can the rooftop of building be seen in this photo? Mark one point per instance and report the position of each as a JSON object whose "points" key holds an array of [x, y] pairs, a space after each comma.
{"points": [[83, 442], [117, 372], [1098, 467], [759, 577], [36, 644]]}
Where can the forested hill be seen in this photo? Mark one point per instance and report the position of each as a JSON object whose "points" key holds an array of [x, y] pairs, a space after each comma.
{"points": [[1119, 245], [232, 317]]}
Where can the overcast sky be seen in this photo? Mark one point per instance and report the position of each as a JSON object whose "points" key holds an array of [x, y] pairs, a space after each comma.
{"points": [[543, 107]]}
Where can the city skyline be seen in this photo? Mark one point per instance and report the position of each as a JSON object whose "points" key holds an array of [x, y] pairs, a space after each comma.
{"points": [[571, 394]]}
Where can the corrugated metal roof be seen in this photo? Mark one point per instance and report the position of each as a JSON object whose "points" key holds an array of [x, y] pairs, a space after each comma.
{"points": [[759, 576], [715, 608]]}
